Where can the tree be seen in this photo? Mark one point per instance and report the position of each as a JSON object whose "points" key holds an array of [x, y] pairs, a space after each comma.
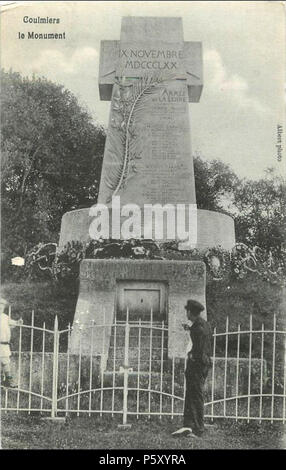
{"points": [[258, 207], [261, 217], [215, 183], [51, 159]]}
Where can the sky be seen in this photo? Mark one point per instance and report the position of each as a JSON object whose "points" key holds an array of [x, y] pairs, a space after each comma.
{"points": [[242, 102]]}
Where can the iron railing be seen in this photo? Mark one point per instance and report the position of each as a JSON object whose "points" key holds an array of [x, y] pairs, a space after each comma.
{"points": [[134, 376]]}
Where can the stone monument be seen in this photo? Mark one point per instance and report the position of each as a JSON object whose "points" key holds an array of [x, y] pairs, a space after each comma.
{"points": [[150, 76], [148, 158]]}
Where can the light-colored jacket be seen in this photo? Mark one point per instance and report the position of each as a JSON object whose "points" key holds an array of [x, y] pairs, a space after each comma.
{"points": [[6, 324]]}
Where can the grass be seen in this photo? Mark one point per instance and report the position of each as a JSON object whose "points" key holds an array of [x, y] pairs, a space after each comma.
{"points": [[30, 432]]}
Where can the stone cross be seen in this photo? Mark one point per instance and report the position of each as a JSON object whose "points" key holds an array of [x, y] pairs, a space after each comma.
{"points": [[156, 165]]}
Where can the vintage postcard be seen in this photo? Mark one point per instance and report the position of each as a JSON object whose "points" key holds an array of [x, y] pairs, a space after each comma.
{"points": [[143, 250]]}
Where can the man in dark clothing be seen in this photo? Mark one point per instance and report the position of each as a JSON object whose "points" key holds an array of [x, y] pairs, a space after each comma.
{"points": [[198, 365]]}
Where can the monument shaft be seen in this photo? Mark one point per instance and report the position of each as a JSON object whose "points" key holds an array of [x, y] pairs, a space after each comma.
{"points": [[159, 166]]}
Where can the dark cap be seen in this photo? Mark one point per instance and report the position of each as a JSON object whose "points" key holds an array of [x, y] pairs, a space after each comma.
{"points": [[194, 305]]}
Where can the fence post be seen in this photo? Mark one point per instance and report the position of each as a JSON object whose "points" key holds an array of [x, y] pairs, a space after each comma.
{"points": [[225, 367], [213, 372], [31, 360], [273, 368], [55, 369], [126, 370]]}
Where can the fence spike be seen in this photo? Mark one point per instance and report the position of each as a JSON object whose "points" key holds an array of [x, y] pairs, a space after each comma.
{"points": [[125, 376], [138, 368], [43, 363], [237, 371], [273, 368], [284, 383], [31, 362], [249, 368], [261, 371], [68, 368], [56, 323], [55, 370], [225, 366]]}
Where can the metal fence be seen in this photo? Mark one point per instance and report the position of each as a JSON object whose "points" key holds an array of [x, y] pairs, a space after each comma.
{"points": [[133, 375]]}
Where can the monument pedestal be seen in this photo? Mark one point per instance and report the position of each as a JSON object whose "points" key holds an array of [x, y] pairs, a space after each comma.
{"points": [[108, 286], [213, 229]]}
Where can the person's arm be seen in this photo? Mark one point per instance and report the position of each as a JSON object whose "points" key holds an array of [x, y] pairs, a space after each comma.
{"points": [[187, 325], [13, 323], [202, 350]]}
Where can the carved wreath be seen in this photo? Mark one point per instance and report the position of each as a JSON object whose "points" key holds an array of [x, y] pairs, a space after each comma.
{"points": [[130, 100]]}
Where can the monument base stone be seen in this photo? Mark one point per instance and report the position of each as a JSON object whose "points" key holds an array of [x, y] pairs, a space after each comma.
{"points": [[99, 298], [213, 229]]}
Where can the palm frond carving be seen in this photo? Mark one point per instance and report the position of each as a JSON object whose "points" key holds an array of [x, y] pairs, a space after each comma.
{"points": [[130, 101]]}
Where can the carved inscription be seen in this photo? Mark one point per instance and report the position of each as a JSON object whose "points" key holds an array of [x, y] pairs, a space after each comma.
{"points": [[151, 59]]}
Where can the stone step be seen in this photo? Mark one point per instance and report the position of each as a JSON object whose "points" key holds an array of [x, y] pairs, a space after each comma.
{"points": [[153, 339], [145, 342], [134, 330], [118, 357], [134, 353], [145, 336], [143, 377], [133, 364]]}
